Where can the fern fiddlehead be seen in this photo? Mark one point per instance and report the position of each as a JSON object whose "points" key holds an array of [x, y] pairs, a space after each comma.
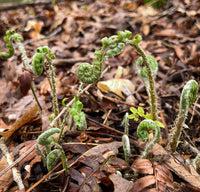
{"points": [[52, 157], [188, 97], [142, 71], [91, 73], [149, 125], [8, 39], [38, 63], [47, 137]]}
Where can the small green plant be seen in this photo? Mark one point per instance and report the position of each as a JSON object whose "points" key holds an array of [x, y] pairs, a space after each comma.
{"points": [[125, 139], [139, 112], [77, 113], [8, 39], [142, 132], [44, 54], [188, 97], [52, 156], [142, 71]]}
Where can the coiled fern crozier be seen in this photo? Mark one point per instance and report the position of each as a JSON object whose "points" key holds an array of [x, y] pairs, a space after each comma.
{"points": [[142, 131], [52, 156]]}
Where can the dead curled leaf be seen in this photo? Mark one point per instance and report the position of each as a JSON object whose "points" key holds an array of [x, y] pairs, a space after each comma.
{"points": [[119, 87], [143, 166], [120, 184], [159, 172], [93, 160], [24, 119], [164, 175], [143, 182]]}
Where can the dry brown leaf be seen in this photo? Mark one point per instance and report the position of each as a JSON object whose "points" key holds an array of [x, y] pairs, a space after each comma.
{"points": [[24, 119], [143, 166], [166, 33], [121, 72], [145, 28], [147, 11], [35, 27], [164, 175], [180, 53], [7, 178], [100, 149], [31, 156], [120, 184], [177, 167], [142, 183], [119, 87]]}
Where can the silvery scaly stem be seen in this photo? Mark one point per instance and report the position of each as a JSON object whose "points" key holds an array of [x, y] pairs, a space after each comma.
{"points": [[188, 97]]}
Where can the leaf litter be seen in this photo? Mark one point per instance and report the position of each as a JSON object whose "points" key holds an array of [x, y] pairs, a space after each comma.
{"points": [[171, 34]]}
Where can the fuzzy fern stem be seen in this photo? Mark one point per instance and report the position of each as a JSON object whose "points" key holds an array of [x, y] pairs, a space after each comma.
{"points": [[150, 76], [149, 125], [188, 97], [53, 81], [125, 139]]}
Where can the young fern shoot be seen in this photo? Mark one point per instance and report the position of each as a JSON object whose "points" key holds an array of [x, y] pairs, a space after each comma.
{"points": [[111, 47], [38, 62], [149, 125], [52, 156], [188, 97], [142, 71], [9, 45], [125, 139]]}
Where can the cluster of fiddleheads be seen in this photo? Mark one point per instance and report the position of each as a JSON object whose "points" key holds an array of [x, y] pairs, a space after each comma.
{"points": [[52, 156], [113, 46], [142, 132], [188, 96]]}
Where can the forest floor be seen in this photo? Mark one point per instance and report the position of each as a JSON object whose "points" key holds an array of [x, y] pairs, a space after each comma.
{"points": [[73, 30]]}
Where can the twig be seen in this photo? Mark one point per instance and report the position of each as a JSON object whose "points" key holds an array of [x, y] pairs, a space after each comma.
{"points": [[55, 32], [17, 160], [16, 174]]}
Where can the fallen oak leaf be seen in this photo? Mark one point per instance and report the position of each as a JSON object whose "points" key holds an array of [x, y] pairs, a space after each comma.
{"points": [[24, 119]]}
